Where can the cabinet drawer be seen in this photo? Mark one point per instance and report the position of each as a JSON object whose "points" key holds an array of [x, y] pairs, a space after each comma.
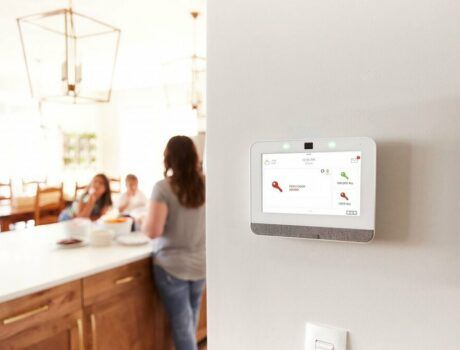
{"points": [[63, 333], [32, 310], [121, 279]]}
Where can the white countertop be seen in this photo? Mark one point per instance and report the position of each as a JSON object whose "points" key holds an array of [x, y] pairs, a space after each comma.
{"points": [[30, 260]]}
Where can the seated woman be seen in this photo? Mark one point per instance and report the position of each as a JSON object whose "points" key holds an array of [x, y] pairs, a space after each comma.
{"points": [[94, 203], [133, 198]]}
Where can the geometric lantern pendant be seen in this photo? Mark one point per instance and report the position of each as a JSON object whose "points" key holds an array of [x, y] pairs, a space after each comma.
{"points": [[185, 79], [69, 57]]}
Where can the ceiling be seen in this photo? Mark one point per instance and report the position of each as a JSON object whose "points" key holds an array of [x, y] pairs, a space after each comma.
{"points": [[152, 33]]}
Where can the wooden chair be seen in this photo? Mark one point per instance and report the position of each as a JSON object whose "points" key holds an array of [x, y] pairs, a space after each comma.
{"points": [[79, 189], [26, 184], [48, 205], [115, 184], [9, 187]]}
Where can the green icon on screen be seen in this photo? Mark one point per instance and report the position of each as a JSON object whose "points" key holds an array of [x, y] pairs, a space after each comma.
{"points": [[344, 174]]}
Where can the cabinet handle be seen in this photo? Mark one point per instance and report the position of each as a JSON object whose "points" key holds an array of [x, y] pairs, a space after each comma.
{"points": [[81, 340], [124, 280], [25, 315], [93, 331]]}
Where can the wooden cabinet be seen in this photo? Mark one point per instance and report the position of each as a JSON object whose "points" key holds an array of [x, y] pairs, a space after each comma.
{"points": [[202, 331], [51, 319], [121, 310], [116, 309], [127, 278], [123, 322], [64, 333]]}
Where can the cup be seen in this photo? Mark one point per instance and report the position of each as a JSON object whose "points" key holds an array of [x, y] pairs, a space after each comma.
{"points": [[101, 237]]}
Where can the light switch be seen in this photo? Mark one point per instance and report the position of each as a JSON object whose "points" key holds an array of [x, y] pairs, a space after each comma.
{"points": [[321, 337], [322, 345]]}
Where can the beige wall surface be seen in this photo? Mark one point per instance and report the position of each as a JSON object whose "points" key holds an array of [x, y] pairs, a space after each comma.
{"points": [[292, 69]]}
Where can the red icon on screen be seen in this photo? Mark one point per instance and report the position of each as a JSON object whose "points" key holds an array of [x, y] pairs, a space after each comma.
{"points": [[344, 195], [277, 186]]}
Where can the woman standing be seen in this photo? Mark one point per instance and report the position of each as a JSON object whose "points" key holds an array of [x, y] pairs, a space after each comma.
{"points": [[177, 217]]}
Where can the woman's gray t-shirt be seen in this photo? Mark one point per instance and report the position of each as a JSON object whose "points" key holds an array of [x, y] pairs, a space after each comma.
{"points": [[181, 249]]}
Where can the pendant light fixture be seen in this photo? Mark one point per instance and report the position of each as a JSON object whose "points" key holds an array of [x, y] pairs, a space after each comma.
{"points": [[185, 78], [70, 57]]}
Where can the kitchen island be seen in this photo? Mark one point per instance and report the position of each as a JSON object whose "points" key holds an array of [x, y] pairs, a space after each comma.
{"points": [[81, 298]]}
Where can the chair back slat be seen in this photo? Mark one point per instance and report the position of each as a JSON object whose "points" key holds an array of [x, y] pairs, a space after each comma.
{"points": [[32, 185], [6, 190], [48, 204]]}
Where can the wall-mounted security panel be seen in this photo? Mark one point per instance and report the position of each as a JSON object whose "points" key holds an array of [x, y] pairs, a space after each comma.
{"points": [[321, 188]]}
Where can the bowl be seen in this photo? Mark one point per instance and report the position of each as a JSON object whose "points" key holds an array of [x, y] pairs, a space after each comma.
{"points": [[77, 228], [120, 226], [101, 237]]}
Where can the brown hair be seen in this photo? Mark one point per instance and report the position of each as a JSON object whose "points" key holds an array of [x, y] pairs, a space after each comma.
{"points": [[187, 180], [131, 177], [106, 198]]}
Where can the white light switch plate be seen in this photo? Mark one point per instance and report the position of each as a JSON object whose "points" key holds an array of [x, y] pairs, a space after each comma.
{"points": [[320, 337]]}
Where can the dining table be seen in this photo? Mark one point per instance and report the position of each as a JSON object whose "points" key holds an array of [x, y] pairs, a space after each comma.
{"points": [[19, 209], [12, 212]]}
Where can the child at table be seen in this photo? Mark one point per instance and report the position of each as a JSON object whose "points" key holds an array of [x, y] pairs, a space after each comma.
{"points": [[94, 203], [133, 198]]}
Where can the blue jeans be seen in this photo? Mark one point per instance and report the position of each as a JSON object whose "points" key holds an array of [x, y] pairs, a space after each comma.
{"points": [[182, 302], [65, 215]]}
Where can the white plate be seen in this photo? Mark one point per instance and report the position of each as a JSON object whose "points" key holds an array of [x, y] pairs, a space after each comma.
{"points": [[133, 239]]}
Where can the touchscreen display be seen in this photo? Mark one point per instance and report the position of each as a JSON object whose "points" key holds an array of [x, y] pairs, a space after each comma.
{"points": [[317, 183]]}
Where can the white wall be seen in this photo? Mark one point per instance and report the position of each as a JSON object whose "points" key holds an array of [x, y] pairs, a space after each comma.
{"points": [[135, 128], [290, 69]]}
